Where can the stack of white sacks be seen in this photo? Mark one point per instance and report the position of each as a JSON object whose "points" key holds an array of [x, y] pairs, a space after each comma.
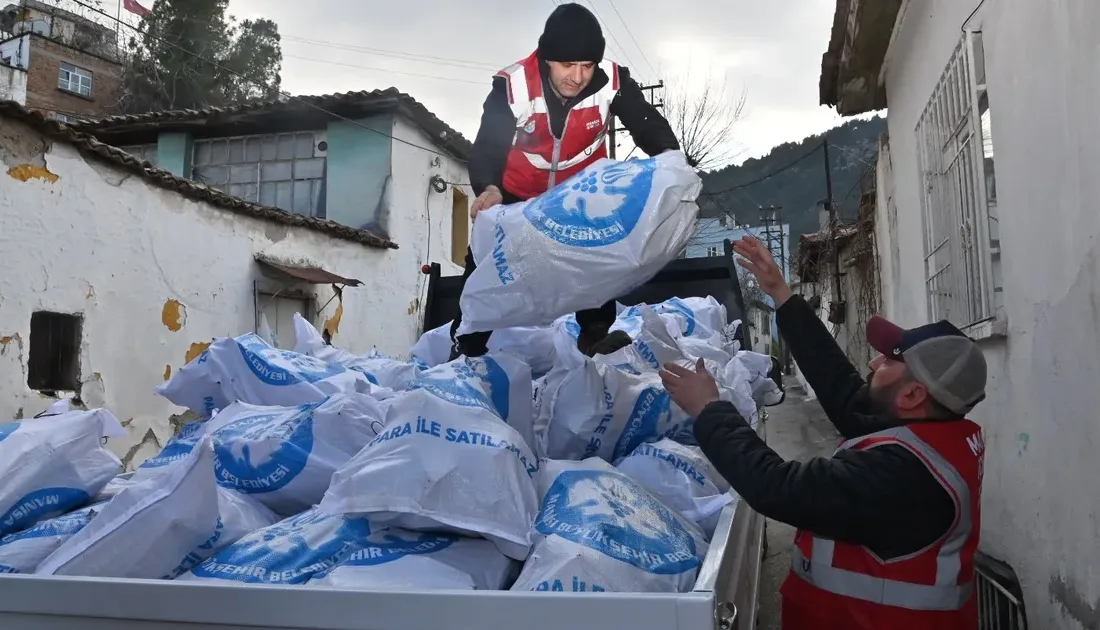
{"points": [[323, 468], [533, 468]]}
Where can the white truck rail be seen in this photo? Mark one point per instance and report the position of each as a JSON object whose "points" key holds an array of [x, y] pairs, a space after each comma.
{"points": [[725, 598]]}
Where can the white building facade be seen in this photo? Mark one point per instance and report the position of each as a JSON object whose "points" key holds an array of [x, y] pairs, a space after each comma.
{"points": [[117, 274], [986, 216]]}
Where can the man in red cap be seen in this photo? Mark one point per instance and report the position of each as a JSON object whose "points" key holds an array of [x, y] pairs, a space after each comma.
{"points": [[888, 526], [546, 119]]}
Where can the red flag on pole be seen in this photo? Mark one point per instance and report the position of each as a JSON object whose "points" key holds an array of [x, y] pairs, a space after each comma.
{"points": [[134, 7]]}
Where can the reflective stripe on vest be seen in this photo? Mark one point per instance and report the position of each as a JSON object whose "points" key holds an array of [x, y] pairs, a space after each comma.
{"points": [[524, 106], [946, 593]]}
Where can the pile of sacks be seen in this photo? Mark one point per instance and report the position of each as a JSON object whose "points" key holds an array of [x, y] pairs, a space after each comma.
{"points": [[531, 468]]}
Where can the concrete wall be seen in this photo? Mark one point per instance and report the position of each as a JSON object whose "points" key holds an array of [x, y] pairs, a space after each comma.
{"points": [[16, 51], [155, 276], [1039, 513], [13, 84]]}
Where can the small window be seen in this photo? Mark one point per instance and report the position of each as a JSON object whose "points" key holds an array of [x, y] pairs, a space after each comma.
{"points": [[460, 226], [712, 251], [75, 80], [54, 363]]}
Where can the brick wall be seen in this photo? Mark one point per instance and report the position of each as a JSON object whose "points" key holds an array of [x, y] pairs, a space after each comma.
{"points": [[43, 93]]}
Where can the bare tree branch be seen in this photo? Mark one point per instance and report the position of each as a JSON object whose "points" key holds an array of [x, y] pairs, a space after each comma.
{"points": [[703, 121]]}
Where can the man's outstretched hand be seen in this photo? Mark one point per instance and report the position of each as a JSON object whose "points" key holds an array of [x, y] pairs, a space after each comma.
{"points": [[758, 260], [691, 390]]}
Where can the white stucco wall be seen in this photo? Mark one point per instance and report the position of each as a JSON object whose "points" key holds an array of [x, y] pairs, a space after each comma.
{"points": [[106, 244], [1040, 512], [13, 84], [420, 218], [17, 51]]}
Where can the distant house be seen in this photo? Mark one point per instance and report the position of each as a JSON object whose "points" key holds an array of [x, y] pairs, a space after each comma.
{"points": [[985, 215], [58, 62], [367, 160], [119, 273]]}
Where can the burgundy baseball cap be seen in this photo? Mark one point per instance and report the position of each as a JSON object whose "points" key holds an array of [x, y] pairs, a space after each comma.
{"points": [[939, 356]]}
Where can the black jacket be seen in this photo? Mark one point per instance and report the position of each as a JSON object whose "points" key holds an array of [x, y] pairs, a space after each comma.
{"points": [[883, 498], [650, 131]]}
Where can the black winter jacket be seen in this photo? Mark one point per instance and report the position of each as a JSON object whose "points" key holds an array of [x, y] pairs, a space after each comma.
{"points": [[650, 131], [883, 498]]}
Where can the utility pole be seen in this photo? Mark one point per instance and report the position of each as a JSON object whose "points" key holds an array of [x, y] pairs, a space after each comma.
{"points": [[837, 308], [614, 130]]}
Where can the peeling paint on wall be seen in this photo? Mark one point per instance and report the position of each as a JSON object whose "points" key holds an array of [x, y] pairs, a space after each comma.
{"points": [[173, 315], [332, 324], [149, 439], [413, 305], [194, 351], [25, 172], [7, 340], [167, 372]]}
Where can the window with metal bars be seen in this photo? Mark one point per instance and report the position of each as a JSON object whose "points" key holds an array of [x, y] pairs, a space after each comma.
{"points": [[146, 152], [958, 196], [285, 170], [54, 361]]}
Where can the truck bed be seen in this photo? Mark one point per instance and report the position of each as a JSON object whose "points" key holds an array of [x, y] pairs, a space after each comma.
{"points": [[724, 598]]}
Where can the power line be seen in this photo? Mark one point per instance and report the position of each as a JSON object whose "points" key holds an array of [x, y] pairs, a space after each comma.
{"points": [[768, 175], [628, 32], [411, 74], [622, 50], [396, 54], [261, 85]]}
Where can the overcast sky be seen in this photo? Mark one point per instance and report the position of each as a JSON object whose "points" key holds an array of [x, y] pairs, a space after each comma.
{"points": [[770, 49]]}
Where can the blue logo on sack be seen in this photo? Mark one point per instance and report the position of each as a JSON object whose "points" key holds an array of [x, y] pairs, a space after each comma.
{"points": [[392, 547], [264, 452], [567, 215], [8, 429], [289, 552], [572, 327], [179, 447], [64, 525], [677, 306], [282, 367], [478, 382], [39, 505], [611, 514], [650, 412]]}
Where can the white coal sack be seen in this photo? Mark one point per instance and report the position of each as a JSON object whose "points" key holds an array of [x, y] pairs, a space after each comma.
{"points": [[449, 458], [590, 239], [599, 530], [148, 529], [285, 456], [54, 464], [249, 370], [289, 552], [23, 551], [682, 478], [381, 371], [403, 560]]}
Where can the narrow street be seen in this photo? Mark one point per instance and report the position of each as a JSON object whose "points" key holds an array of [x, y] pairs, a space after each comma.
{"points": [[797, 429]]}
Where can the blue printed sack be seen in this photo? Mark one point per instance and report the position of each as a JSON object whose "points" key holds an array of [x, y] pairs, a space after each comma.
{"points": [[284, 457], [450, 458], [54, 464], [249, 370], [400, 560], [598, 530], [592, 238], [289, 552], [23, 551]]}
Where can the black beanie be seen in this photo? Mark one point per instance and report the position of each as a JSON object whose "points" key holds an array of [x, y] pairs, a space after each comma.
{"points": [[572, 33]]}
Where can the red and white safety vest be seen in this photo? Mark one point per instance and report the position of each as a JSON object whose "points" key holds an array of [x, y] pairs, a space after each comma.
{"points": [[834, 584], [538, 161]]}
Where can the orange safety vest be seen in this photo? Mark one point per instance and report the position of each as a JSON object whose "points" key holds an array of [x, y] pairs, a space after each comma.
{"points": [[834, 585], [538, 161]]}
